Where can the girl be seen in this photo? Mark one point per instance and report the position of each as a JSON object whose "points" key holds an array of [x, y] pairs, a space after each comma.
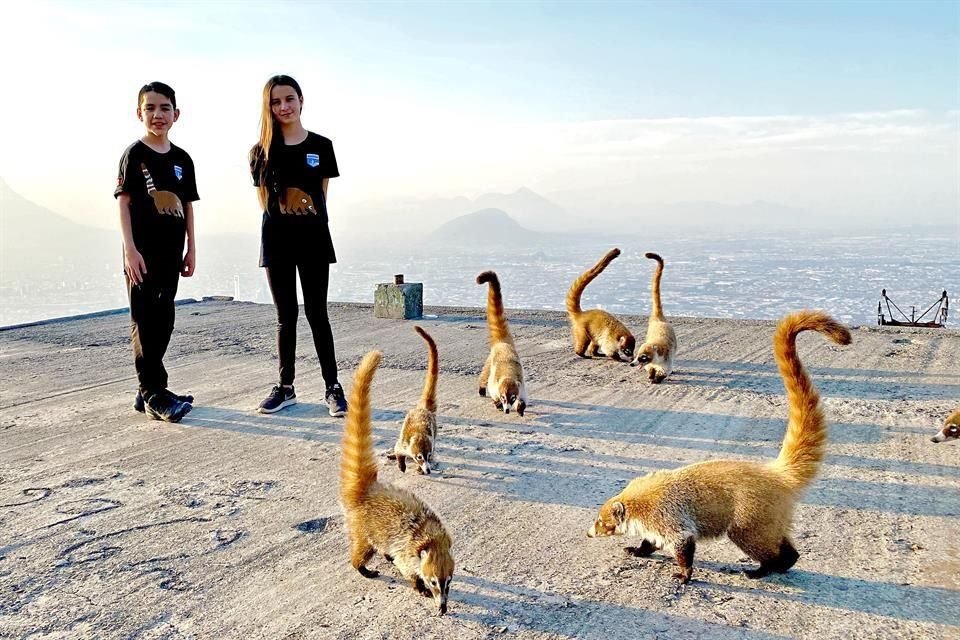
{"points": [[291, 168]]}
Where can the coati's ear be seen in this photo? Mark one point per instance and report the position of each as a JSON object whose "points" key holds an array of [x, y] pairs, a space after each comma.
{"points": [[425, 548], [619, 511]]}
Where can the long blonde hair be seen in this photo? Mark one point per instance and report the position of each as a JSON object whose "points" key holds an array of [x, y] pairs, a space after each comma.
{"points": [[269, 137]]}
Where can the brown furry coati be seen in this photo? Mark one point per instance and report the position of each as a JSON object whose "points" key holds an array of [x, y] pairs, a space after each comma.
{"points": [[297, 202], [660, 345], [951, 428], [597, 332], [418, 436], [750, 502], [382, 518], [502, 375]]}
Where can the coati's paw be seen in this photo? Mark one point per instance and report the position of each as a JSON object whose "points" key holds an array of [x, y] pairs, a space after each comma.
{"points": [[483, 392], [368, 573], [521, 407], [388, 557], [683, 575], [759, 572], [645, 549]]}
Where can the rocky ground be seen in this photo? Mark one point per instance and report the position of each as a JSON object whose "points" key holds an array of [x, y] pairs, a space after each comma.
{"points": [[228, 525]]}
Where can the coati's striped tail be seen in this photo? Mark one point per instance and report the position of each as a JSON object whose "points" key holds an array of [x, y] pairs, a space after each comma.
{"points": [[358, 466], [428, 399], [656, 310], [805, 442], [146, 174], [496, 321], [576, 289]]}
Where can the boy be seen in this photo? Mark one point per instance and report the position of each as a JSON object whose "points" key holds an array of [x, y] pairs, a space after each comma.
{"points": [[156, 187]]}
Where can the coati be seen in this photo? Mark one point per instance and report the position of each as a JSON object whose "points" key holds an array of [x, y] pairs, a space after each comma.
{"points": [[296, 202], [385, 519], [597, 332], [166, 202], [660, 345], [951, 428], [419, 433], [751, 502], [502, 374]]}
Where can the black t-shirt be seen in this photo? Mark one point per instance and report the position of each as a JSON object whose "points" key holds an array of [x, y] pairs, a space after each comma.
{"points": [[295, 222], [160, 185]]}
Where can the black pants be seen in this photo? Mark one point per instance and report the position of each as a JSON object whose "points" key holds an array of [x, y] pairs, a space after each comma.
{"points": [[314, 279], [151, 324]]}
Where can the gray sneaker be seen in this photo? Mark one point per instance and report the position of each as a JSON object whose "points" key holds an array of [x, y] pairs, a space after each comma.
{"points": [[280, 396]]}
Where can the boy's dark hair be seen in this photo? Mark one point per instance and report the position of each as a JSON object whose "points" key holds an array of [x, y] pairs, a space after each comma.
{"points": [[158, 87]]}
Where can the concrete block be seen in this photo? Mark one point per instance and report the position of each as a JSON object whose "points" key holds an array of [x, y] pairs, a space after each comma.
{"points": [[398, 300]]}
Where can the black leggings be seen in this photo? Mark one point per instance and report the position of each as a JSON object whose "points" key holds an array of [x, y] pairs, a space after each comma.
{"points": [[314, 278]]}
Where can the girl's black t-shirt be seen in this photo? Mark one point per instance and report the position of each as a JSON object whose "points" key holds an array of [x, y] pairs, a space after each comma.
{"points": [[159, 185], [295, 224]]}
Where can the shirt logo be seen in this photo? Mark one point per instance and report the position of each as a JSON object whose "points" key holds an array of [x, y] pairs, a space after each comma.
{"points": [[178, 171], [313, 160]]}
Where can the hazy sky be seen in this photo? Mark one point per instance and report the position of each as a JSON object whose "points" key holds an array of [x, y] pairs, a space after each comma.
{"points": [[833, 107]]}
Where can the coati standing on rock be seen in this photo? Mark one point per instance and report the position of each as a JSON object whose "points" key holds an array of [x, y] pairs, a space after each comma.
{"points": [[597, 332], [660, 346], [385, 519], [419, 433], [951, 428], [502, 374], [752, 503]]}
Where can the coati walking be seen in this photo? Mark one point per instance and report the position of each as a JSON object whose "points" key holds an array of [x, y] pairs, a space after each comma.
{"points": [[385, 519], [659, 347], [419, 433], [502, 374], [597, 332], [752, 503], [951, 428]]}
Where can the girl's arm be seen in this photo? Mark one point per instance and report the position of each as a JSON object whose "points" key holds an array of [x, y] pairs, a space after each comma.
{"points": [[326, 181], [133, 263], [190, 259]]}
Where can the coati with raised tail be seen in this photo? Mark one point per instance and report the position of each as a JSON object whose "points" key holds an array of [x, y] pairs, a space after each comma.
{"points": [[751, 502], [660, 345], [419, 433], [951, 428], [382, 518], [502, 375], [166, 202], [597, 332]]}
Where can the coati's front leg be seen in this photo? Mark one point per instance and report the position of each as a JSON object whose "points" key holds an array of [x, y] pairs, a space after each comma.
{"points": [[360, 553], [684, 556], [645, 549], [781, 562], [402, 462], [592, 349], [484, 377]]}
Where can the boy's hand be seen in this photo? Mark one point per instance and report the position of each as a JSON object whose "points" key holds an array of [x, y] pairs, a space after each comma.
{"points": [[133, 265], [189, 264]]}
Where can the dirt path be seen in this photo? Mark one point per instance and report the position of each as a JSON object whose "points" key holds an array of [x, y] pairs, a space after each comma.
{"points": [[227, 525]]}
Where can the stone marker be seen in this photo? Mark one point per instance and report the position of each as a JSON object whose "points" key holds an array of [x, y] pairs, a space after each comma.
{"points": [[398, 299]]}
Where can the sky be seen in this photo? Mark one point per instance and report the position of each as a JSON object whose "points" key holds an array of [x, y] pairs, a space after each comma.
{"points": [[833, 107]]}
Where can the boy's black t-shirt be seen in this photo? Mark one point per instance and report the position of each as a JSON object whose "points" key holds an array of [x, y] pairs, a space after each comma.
{"points": [[160, 185], [295, 224]]}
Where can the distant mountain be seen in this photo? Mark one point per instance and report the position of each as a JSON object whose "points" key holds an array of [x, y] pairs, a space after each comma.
{"points": [[411, 219], [33, 238], [482, 230], [531, 210]]}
